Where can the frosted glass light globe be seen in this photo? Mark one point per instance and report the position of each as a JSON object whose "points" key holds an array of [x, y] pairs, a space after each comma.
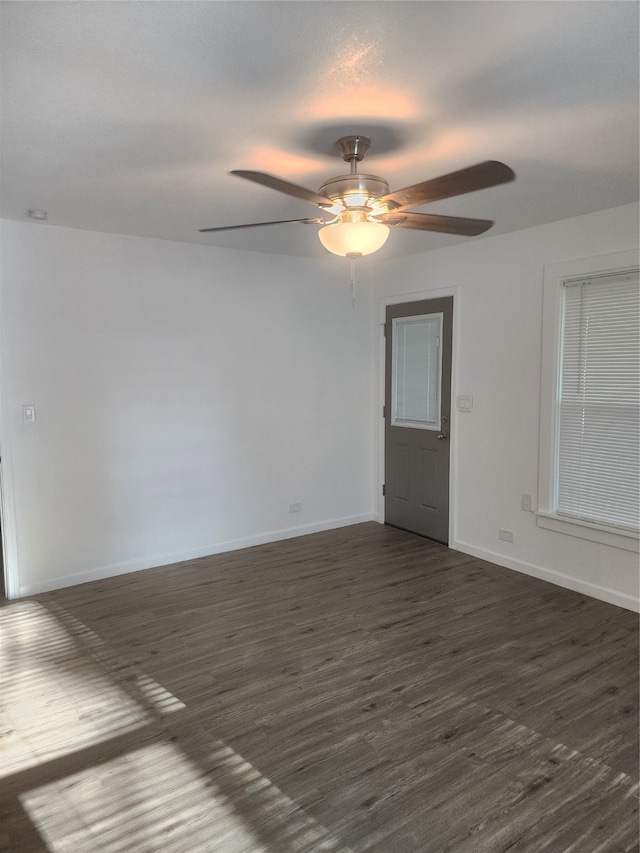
{"points": [[354, 238]]}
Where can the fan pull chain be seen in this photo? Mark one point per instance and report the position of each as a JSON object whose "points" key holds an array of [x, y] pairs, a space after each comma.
{"points": [[353, 282], [353, 276]]}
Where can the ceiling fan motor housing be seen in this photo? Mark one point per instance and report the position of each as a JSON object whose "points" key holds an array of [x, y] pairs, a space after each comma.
{"points": [[356, 191]]}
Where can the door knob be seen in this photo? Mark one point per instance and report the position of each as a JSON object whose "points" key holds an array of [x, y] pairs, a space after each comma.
{"points": [[442, 436]]}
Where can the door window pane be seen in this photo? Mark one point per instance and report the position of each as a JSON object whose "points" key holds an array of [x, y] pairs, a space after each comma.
{"points": [[416, 371]]}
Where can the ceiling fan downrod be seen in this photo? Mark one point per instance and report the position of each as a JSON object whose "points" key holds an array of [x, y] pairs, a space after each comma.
{"points": [[353, 149]]}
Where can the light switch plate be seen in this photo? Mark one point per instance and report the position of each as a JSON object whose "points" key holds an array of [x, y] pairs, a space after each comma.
{"points": [[465, 403], [28, 414]]}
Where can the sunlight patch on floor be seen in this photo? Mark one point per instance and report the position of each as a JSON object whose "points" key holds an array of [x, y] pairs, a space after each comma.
{"points": [[150, 799], [155, 800], [112, 771], [58, 693]]}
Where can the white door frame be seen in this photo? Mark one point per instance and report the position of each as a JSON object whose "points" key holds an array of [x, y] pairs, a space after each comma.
{"points": [[380, 479], [7, 503]]}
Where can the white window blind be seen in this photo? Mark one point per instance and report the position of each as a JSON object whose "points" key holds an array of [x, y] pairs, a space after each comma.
{"points": [[598, 471], [416, 370]]}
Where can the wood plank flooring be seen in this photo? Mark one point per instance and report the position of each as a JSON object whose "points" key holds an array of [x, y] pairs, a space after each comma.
{"points": [[356, 690]]}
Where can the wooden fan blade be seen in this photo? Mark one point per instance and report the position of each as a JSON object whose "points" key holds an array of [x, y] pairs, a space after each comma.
{"points": [[435, 222], [478, 177], [258, 224], [285, 187]]}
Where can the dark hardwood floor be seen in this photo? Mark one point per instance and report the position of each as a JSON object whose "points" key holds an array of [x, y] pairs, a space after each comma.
{"points": [[360, 689]]}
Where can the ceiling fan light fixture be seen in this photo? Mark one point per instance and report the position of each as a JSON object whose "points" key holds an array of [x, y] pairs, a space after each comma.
{"points": [[353, 238]]}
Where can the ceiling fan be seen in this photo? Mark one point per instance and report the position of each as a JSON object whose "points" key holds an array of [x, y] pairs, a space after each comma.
{"points": [[361, 209]]}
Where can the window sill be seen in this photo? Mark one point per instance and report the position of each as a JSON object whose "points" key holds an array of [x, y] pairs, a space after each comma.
{"points": [[625, 539]]}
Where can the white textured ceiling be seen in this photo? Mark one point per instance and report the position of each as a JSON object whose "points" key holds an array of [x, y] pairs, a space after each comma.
{"points": [[127, 116]]}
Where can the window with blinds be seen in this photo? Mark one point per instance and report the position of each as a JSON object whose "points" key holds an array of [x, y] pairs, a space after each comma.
{"points": [[415, 372], [598, 470]]}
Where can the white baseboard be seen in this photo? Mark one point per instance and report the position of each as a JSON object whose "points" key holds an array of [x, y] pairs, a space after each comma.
{"points": [[611, 596], [156, 560]]}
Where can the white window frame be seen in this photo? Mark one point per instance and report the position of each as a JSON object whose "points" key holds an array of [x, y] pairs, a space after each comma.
{"points": [[546, 516]]}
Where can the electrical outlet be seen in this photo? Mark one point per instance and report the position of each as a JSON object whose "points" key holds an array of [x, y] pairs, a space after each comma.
{"points": [[527, 504], [296, 507], [505, 535]]}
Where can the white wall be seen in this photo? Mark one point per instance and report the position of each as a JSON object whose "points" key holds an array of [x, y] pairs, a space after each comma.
{"points": [[497, 361], [185, 396]]}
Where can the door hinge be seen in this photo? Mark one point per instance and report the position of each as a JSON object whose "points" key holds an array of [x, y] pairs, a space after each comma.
{"points": [[384, 411], [384, 490]]}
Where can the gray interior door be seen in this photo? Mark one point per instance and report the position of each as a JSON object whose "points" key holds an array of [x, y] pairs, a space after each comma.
{"points": [[417, 416]]}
